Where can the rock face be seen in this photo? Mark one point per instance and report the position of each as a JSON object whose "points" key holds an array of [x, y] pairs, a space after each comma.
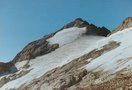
{"points": [[34, 49], [7, 68], [41, 46], [127, 23], [76, 23], [91, 28]]}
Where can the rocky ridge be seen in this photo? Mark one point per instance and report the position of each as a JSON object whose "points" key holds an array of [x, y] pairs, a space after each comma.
{"points": [[125, 24], [41, 46], [7, 68], [91, 28]]}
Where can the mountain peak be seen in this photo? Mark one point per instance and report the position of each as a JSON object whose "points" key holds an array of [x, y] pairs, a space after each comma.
{"points": [[78, 22], [91, 28], [127, 23], [79, 19], [42, 46]]}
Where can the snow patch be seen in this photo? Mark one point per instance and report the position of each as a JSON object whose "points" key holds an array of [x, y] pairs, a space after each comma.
{"points": [[20, 65], [67, 36]]}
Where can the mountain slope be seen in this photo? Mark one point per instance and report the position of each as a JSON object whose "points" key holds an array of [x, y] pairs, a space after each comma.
{"points": [[41, 47], [94, 70], [83, 59], [73, 43]]}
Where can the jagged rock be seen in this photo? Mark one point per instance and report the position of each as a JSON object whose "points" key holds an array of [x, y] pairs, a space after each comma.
{"points": [[125, 24], [76, 23], [91, 28], [103, 31], [7, 68], [85, 84], [34, 49]]}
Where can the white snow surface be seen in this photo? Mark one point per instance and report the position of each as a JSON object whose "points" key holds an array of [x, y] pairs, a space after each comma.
{"points": [[73, 44], [115, 60], [19, 65], [67, 36]]}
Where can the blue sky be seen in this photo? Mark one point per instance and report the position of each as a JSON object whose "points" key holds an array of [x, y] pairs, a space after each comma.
{"points": [[22, 21]]}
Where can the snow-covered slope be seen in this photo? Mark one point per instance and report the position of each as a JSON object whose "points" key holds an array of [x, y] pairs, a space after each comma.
{"points": [[117, 59], [74, 48], [73, 44]]}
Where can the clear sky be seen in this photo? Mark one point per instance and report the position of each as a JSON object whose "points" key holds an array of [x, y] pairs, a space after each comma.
{"points": [[22, 21]]}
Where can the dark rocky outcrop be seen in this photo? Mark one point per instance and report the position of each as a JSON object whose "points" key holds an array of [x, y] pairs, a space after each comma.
{"points": [[127, 23], [103, 31], [91, 28], [34, 49], [7, 68], [76, 23]]}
